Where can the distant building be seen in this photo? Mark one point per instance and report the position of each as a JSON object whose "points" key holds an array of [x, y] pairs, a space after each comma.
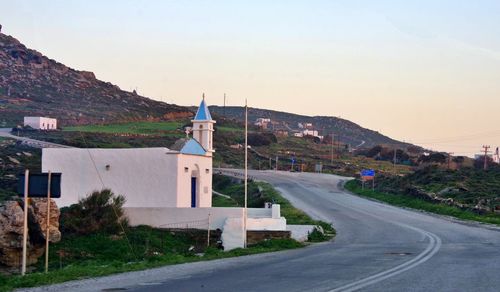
{"points": [[313, 133], [305, 125], [262, 123], [40, 123]]}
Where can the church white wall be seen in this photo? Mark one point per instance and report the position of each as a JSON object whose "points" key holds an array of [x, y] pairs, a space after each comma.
{"points": [[147, 177], [201, 168]]}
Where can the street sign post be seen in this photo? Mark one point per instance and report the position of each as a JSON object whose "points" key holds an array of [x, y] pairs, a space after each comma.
{"points": [[367, 175], [44, 185]]}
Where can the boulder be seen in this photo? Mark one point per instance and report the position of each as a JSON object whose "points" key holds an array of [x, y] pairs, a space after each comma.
{"points": [[11, 232]]}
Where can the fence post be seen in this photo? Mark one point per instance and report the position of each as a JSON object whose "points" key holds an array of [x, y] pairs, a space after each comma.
{"points": [[25, 223], [208, 232], [47, 234]]}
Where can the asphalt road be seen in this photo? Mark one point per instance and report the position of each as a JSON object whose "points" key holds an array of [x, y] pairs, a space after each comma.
{"points": [[5, 132], [378, 248]]}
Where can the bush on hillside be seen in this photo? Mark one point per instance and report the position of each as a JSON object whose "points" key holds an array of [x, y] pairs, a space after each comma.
{"points": [[101, 211], [261, 139]]}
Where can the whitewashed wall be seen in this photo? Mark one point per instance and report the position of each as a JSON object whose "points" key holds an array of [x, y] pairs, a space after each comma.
{"points": [[197, 166], [145, 176], [259, 218], [41, 123]]}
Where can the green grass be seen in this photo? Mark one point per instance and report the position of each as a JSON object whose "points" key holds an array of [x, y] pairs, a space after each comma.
{"points": [[100, 255], [218, 201], [415, 203], [129, 128], [229, 129]]}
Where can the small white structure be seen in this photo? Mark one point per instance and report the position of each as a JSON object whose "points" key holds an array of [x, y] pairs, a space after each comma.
{"points": [[41, 123], [313, 133], [262, 122]]}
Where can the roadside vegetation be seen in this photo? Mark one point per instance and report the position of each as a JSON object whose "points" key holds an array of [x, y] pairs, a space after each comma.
{"points": [[93, 246], [405, 200], [258, 194]]}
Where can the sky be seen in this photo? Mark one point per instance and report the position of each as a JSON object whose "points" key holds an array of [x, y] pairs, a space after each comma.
{"points": [[425, 72]]}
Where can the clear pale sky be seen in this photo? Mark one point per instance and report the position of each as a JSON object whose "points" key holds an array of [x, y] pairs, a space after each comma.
{"points": [[426, 72]]}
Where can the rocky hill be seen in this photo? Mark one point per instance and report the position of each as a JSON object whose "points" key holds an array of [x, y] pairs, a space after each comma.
{"points": [[344, 130], [33, 84]]}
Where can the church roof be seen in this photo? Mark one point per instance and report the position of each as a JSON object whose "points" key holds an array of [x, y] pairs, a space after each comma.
{"points": [[188, 146], [203, 114]]}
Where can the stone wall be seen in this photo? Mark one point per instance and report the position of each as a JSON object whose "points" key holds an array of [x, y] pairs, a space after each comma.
{"points": [[11, 232]]}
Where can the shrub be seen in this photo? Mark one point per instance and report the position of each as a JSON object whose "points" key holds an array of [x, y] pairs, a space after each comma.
{"points": [[101, 211]]}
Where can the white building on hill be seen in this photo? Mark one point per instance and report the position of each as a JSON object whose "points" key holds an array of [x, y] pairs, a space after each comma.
{"points": [[40, 123]]}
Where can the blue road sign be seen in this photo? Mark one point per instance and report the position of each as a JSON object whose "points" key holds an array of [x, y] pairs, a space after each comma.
{"points": [[368, 172]]}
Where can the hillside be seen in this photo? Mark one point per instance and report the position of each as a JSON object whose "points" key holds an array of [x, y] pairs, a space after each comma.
{"points": [[33, 84], [345, 131]]}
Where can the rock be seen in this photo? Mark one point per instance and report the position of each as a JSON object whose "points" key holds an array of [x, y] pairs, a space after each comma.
{"points": [[319, 229], [11, 232], [13, 160], [88, 75]]}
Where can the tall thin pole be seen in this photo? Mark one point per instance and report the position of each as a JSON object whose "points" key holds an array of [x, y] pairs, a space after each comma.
{"points": [[332, 148], [47, 232], [246, 173], [486, 147], [394, 160], [25, 224], [224, 104]]}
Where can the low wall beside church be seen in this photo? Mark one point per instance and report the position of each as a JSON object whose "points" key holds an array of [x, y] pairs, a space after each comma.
{"points": [[229, 220]]}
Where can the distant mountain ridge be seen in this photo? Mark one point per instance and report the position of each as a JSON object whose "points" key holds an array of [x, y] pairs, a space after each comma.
{"points": [[343, 130], [33, 84]]}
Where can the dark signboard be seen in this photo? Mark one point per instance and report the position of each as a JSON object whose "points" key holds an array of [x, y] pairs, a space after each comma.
{"points": [[38, 185]]}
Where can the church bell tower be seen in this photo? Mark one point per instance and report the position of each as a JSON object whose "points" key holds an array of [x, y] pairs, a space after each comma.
{"points": [[203, 127]]}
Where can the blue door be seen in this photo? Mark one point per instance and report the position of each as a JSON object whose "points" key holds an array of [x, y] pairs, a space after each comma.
{"points": [[193, 192]]}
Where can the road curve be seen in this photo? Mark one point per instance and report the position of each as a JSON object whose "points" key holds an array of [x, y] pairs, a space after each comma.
{"points": [[5, 132], [378, 248]]}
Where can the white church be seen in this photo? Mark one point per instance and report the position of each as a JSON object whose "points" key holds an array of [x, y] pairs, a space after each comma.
{"points": [[146, 177], [162, 186]]}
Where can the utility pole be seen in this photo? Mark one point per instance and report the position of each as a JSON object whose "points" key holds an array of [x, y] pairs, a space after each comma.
{"points": [[224, 110], [277, 162], [485, 148], [394, 160], [332, 148], [449, 159], [270, 163], [246, 174]]}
